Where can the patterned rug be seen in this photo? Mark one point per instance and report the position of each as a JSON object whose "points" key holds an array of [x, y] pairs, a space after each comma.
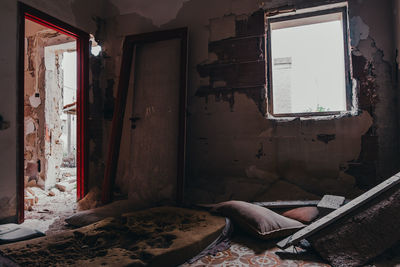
{"points": [[246, 251]]}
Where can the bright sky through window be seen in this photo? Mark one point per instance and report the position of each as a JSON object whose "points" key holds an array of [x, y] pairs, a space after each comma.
{"points": [[308, 65]]}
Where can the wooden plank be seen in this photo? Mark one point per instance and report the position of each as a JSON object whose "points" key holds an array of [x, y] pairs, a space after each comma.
{"points": [[339, 213], [287, 204]]}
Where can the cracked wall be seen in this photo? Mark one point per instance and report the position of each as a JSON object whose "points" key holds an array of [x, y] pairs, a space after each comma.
{"points": [[234, 152]]}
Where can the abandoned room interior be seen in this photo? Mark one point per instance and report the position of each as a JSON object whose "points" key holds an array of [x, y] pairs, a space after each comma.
{"points": [[200, 133]]}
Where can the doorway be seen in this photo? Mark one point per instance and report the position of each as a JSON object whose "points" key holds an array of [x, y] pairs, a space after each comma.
{"points": [[53, 78]]}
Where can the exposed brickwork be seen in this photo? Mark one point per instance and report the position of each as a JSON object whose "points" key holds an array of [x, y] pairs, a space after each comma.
{"points": [[240, 65]]}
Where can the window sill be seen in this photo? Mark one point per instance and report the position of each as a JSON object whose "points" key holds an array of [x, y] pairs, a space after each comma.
{"points": [[316, 117]]}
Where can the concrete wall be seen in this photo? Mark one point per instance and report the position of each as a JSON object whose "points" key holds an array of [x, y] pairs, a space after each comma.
{"points": [[234, 151], [75, 12]]}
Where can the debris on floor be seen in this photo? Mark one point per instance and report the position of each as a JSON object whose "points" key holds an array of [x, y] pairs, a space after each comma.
{"points": [[352, 233], [91, 200], [330, 203], [362, 235], [358, 232], [164, 236], [46, 210]]}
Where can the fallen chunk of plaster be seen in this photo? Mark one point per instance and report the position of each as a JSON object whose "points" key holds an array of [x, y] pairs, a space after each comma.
{"points": [[64, 186]]}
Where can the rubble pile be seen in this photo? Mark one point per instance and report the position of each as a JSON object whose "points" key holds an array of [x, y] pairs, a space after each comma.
{"points": [[45, 207]]}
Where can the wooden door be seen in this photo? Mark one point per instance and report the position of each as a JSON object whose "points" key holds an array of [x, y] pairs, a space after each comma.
{"points": [[155, 122], [146, 156]]}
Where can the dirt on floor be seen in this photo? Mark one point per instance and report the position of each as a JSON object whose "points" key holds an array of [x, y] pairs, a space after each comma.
{"points": [[137, 239], [53, 205]]}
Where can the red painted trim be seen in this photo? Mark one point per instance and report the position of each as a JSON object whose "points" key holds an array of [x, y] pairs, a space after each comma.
{"points": [[20, 117], [82, 114], [82, 38], [50, 26]]}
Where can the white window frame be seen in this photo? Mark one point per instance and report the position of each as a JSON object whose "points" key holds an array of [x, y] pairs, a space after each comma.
{"points": [[309, 16]]}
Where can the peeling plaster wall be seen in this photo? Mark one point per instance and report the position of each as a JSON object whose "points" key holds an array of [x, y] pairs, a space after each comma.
{"points": [[378, 93], [43, 104], [54, 99], [34, 103], [75, 12], [233, 150]]}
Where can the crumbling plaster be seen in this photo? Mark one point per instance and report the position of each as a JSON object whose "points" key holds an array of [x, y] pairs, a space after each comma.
{"points": [[43, 103], [228, 136]]}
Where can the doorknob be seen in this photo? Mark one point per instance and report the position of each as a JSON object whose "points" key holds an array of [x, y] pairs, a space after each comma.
{"points": [[133, 121]]}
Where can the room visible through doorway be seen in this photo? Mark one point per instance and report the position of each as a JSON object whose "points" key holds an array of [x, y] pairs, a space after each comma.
{"points": [[50, 125]]}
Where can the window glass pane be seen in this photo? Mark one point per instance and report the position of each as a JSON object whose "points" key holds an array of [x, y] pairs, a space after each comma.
{"points": [[308, 68]]}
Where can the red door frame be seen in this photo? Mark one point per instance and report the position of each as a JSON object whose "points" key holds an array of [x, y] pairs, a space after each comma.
{"points": [[82, 39]]}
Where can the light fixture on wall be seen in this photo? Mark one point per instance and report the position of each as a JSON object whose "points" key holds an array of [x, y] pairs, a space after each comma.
{"points": [[95, 47], [95, 50]]}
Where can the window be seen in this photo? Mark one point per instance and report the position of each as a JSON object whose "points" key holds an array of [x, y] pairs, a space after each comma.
{"points": [[308, 64]]}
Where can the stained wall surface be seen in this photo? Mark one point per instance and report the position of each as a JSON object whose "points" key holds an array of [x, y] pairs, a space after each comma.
{"points": [[233, 150]]}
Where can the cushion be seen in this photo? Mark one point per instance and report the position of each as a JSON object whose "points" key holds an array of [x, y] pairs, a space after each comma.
{"points": [[257, 221], [303, 214]]}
